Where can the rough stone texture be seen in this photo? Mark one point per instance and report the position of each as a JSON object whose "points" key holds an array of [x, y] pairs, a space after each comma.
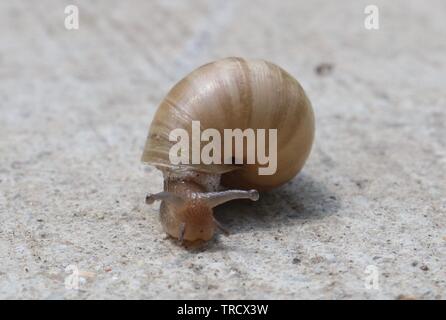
{"points": [[76, 105]]}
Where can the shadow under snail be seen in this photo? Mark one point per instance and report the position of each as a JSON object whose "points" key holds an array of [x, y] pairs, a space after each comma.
{"points": [[231, 93]]}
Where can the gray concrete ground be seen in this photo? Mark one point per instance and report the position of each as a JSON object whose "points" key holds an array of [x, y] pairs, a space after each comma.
{"points": [[76, 105]]}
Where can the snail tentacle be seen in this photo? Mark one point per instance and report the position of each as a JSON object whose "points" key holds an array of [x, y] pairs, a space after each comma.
{"points": [[213, 199], [182, 232], [221, 228], [165, 196]]}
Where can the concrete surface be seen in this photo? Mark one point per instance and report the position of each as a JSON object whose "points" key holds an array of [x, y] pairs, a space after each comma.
{"points": [[76, 105]]}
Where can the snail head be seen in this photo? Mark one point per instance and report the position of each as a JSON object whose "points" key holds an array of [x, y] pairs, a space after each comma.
{"points": [[190, 217]]}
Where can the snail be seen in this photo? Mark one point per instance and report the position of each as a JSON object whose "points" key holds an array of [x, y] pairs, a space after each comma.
{"points": [[232, 93]]}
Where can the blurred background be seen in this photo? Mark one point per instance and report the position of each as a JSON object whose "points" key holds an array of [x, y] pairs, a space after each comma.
{"points": [[75, 107]]}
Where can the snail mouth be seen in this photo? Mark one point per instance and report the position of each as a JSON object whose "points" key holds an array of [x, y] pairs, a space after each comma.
{"points": [[183, 240], [191, 244]]}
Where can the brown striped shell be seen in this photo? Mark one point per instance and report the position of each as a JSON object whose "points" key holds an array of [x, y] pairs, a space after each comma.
{"points": [[237, 93]]}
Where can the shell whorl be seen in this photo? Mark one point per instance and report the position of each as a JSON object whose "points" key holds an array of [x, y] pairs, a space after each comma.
{"points": [[237, 93]]}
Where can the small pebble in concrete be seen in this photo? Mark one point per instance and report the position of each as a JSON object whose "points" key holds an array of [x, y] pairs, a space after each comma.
{"points": [[324, 69]]}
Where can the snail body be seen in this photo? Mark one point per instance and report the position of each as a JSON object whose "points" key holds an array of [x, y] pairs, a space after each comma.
{"points": [[231, 93]]}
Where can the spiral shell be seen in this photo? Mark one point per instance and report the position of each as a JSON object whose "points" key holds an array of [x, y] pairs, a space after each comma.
{"points": [[237, 93]]}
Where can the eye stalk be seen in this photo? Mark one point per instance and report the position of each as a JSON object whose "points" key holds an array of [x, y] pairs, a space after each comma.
{"points": [[165, 196], [190, 217], [214, 199]]}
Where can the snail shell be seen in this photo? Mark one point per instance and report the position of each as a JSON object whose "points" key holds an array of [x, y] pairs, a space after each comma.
{"points": [[228, 94], [237, 93]]}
